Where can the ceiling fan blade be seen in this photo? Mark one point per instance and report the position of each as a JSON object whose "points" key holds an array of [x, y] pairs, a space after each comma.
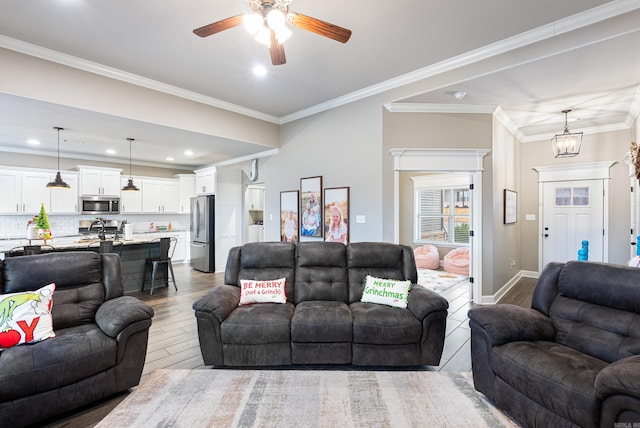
{"points": [[276, 50], [218, 26], [320, 27]]}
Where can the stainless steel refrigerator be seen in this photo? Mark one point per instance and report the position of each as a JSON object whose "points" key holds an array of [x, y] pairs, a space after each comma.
{"points": [[203, 233]]}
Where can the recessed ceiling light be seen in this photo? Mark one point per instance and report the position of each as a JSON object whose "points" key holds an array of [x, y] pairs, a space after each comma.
{"points": [[188, 153], [259, 70], [110, 152], [459, 95], [170, 159], [33, 142]]}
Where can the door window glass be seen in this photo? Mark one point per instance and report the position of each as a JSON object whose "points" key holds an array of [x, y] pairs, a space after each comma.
{"points": [[572, 196]]}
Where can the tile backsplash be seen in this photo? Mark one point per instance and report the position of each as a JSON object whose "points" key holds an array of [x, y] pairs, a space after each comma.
{"points": [[15, 226]]}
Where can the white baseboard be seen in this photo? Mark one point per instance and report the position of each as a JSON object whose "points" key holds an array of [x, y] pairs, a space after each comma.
{"points": [[492, 299]]}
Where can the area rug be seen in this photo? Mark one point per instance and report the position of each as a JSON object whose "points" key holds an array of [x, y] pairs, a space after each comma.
{"points": [[305, 398], [439, 280]]}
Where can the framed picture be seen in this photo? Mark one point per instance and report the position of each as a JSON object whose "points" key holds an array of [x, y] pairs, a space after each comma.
{"points": [[336, 214], [289, 210], [310, 208], [510, 206]]}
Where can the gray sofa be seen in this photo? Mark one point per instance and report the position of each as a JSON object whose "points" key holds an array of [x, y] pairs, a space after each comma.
{"points": [[573, 358], [100, 343], [323, 320]]}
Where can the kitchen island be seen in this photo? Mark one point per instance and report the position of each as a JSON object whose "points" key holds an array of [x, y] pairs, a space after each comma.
{"points": [[133, 254]]}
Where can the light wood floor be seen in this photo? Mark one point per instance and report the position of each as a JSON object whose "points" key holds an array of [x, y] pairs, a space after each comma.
{"points": [[173, 336]]}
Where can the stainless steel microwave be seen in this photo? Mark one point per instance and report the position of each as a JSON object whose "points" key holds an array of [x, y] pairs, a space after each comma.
{"points": [[100, 204]]}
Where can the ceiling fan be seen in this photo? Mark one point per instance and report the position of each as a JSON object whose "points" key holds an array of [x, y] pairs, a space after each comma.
{"points": [[268, 23]]}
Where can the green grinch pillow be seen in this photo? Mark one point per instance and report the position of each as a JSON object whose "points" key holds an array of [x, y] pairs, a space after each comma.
{"points": [[389, 292], [26, 317]]}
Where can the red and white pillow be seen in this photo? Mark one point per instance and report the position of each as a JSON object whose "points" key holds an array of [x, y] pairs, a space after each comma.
{"points": [[270, 291], [25, 317]]}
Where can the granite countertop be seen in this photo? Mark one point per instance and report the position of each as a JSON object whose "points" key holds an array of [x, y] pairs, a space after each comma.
{"points": [[70, 243]]}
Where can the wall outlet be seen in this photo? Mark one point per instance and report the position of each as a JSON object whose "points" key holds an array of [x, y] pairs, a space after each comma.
{"points": [[513, 264], [360, 219]]}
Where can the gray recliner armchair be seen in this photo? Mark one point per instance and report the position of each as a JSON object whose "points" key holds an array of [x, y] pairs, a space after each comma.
{"points": [[100, 343], [573, 358]]}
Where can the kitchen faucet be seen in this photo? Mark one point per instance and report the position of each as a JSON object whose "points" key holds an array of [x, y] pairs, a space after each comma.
{"points": [[101, 224]]}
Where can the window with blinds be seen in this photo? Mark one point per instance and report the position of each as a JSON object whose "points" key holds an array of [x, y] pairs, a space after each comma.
{"points": [[442, 215]]}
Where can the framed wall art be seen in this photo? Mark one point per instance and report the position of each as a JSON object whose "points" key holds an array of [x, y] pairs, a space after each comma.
{"points": [[510, 206], [289, 214], [336, 214], [311, 208]]}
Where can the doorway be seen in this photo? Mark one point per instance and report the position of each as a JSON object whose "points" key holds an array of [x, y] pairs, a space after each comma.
{"points": [[574, 207], [254, 212], [447, 160]]}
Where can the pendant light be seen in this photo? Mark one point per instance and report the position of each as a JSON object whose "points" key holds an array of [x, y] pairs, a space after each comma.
{"points": [[58, 183], [567, 144], [130, 187]]}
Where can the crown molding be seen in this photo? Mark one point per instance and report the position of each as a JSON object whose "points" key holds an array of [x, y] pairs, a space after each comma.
{"points": [[440, 108], [134, 79]]}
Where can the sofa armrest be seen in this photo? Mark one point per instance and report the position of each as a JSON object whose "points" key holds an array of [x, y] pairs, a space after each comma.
{"points": [[423, 301], [116, 314], [620, 377], [221, 300], [505, 323]]}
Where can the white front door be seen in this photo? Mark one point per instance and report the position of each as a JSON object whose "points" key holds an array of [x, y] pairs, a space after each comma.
{"points": [[573, 211]]}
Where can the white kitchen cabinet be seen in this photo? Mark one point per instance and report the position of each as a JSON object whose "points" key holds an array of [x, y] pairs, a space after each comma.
{"points": [[255, 199], [11, 200], [160, 196], [24, 192], [96, 181], [130, 201], [65, 201], [187, 184], [206, 181], [256, 233], [35, 192], [180, 253]]}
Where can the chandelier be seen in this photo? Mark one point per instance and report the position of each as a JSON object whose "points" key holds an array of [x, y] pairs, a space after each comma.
{"points": [[567, 144]]}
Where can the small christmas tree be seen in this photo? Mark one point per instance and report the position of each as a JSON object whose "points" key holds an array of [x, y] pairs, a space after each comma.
{"points": [[43, 220]]}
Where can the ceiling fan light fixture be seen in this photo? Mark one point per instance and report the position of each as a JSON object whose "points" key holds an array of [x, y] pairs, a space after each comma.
{"points": [[253, 22], [276, 20], [283, 34], [58, 183], [263, 36], [567, 144]]}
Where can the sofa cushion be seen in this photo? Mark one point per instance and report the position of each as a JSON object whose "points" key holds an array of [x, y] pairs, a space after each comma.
{"points": [[74, 354], [321, 321], [76, 306], [380, 259], [258, 324], [388, 292], [271, 291], [384, 325], [557, 377], [26, 317], [605, 333], [321, 272], [30, 273], [265, 261]]}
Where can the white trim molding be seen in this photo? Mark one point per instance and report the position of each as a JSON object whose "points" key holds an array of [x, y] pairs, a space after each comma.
{"points": [[447, 160]]}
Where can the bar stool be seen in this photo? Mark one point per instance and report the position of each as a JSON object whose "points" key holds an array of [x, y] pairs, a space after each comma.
{"points": [[167, 247]]}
